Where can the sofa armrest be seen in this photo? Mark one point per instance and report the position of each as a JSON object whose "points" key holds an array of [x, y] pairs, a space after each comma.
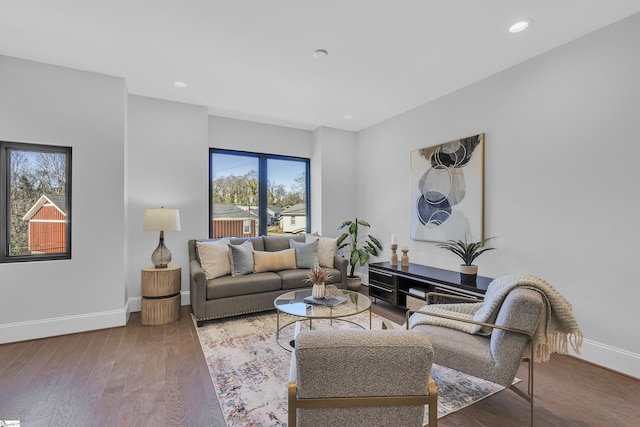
{"points": [[198, 288], [341, 263]]}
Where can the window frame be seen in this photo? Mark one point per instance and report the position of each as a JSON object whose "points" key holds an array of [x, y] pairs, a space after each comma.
{"points": [[262, 184], [5, 197]]}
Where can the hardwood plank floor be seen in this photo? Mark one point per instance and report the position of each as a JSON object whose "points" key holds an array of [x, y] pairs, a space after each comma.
{"points": [[156, 375]]}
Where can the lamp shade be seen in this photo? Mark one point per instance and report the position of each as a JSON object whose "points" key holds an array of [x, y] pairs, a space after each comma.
{"points": [[161, 219]]}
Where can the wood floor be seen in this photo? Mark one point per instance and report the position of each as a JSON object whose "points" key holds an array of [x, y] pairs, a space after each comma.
{"points": [[156, 375]]}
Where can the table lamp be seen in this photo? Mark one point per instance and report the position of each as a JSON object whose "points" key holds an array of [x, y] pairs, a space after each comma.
{"points": [[161, 220]]}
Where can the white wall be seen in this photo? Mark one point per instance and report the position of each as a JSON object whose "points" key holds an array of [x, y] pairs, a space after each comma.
{"points": [[334, 186], [560, 176], [167, 165], [46, 104], [241, 135]]}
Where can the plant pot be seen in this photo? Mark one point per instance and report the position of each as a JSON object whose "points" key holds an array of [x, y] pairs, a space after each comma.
{"points": [[353, 283], [468, 274]]}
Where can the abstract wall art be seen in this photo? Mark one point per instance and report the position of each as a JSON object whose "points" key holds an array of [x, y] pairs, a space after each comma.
{"points": [[447, 191]]}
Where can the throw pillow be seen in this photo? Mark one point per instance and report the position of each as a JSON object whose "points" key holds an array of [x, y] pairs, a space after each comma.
{"points": [[274, 261], [306, 253], [214, 258], [327, 249], [241, 259]]}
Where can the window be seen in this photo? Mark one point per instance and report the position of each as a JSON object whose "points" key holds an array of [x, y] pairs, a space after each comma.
{"points": [[35, 191], [255, 194]]}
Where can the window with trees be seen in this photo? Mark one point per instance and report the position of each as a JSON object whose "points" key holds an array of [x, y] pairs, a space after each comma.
{"points": [[35, 191], [255, 194]]}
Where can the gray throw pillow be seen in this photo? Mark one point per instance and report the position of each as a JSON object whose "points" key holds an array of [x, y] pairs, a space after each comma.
{"points": [[241, 259], [306, 253]]}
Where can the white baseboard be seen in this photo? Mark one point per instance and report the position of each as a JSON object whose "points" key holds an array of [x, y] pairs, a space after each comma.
{"points": [[43, 328], [22, 331], [610, 357]]}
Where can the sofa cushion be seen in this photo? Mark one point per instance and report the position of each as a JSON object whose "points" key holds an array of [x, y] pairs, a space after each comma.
{"points": [[257, 242], [229, 286], [306, 253], [279, 243], [293, 279], [241, 259], [274, 261], [214, 258], [327, 248]]}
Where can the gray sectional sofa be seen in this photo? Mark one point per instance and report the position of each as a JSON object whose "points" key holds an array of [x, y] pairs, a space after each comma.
{"points": [[225, 294]]}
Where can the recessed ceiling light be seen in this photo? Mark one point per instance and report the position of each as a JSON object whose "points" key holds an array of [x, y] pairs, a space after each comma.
{"points": [[520, 26], [179, 84], [320, 53], [348, 117]]}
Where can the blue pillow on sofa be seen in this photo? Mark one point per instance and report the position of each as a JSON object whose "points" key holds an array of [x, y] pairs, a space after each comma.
{"points": [[306, 253], [241, 258]]}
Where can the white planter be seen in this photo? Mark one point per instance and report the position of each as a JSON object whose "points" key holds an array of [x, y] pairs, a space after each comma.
{"points": [[317, 291], [353, 283]]}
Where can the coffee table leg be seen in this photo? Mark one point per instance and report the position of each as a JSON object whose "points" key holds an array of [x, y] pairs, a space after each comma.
{"points": [[369, 317], [278, 324]]}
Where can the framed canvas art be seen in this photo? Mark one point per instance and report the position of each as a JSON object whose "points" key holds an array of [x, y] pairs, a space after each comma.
{"points": [[447, 191]]}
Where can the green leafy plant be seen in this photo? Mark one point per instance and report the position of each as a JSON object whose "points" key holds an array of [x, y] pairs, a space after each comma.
{"points": [[361, 247], [468, 252]]}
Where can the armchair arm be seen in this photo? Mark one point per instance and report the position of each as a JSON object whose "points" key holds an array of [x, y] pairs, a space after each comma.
{"points": [[458, 319]]}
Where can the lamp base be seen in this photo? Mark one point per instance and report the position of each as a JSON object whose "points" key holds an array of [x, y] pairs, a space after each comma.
{"points": [[161, 256]]}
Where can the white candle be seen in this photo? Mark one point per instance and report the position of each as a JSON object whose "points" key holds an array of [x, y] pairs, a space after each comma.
{"points": [[394, 239]]}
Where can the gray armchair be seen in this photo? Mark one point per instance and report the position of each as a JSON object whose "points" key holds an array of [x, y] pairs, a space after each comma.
{"points": [[361, 378], [496, 357]]}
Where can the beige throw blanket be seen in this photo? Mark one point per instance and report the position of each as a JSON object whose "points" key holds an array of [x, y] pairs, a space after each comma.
{"points": [[553, 334]]}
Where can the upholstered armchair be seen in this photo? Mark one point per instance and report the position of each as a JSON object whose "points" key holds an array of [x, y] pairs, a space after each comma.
{"points": [[495, 357], [361, 378]]}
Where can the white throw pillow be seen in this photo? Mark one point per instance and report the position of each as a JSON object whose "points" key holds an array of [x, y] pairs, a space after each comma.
{"points": [[214, 258], [327, 248]]}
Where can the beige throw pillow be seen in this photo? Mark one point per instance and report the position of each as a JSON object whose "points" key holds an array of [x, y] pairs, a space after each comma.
{"points": [[327, 248], [214, 258], [274, 261]]}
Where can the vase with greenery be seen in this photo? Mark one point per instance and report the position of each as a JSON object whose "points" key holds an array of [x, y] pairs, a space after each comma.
{"points": [[467, 252], [361, 246]]}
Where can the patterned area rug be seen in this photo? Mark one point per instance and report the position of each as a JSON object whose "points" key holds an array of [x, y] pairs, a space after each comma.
{"points": [[250, 369]]}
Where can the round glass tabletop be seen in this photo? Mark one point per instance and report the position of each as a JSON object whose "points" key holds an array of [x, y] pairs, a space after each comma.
{"points": [[301, 304], [347, 303]]}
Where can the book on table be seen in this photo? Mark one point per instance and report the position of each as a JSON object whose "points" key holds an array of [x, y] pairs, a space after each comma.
{"points": [[329, 302]]}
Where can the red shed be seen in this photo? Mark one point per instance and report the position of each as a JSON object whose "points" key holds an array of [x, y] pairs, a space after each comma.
{"points": [[48, 224]]}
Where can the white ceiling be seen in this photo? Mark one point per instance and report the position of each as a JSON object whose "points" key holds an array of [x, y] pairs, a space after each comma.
{"points": [[252, 59]]}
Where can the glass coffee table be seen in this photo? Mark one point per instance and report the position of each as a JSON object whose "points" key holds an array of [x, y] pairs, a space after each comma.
{"points": [[293, 303]]}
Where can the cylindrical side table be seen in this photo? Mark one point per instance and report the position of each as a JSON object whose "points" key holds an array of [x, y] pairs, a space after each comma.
{"points": [[160, 295]]}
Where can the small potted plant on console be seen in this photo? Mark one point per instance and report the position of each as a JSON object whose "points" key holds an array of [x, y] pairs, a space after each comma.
{"points": [[468, 252]]}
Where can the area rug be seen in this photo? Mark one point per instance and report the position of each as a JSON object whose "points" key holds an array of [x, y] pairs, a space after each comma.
{"points": [[250, 369]]}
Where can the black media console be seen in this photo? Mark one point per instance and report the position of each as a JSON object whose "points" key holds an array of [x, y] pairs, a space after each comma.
{"points": [[397, 285]]}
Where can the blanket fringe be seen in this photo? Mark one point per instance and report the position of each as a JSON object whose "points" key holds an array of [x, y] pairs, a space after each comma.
{"points": [[557, 343]]}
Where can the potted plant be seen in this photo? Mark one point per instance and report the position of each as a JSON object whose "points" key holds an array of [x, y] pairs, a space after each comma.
{"points": [[468, 252], [361, 248]]}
